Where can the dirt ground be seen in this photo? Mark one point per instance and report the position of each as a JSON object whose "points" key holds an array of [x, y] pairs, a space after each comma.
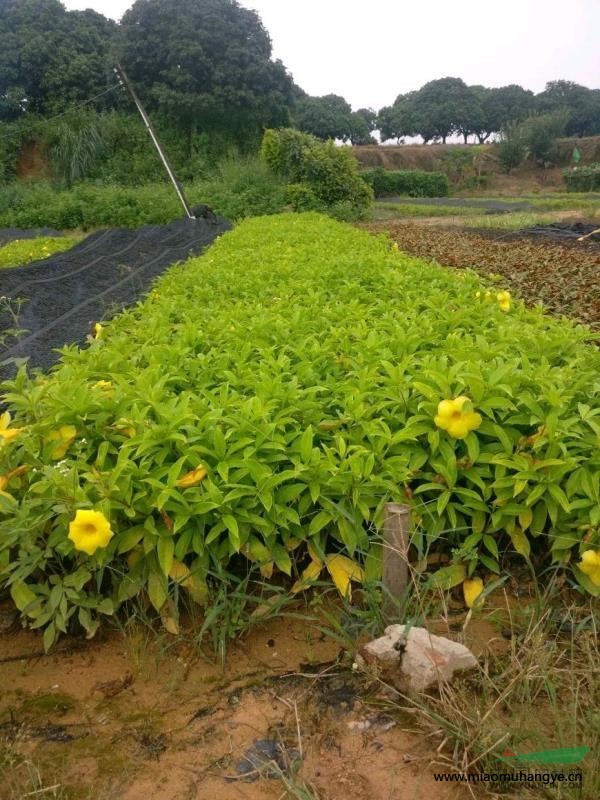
{"points": [[132, 716]]}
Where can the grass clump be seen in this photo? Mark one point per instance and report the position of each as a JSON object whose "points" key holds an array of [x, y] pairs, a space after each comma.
{"points": [[24, 251], [275, 393]]}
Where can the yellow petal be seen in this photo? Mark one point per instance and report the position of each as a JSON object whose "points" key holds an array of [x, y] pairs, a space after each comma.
{"points": [[472, 589], [472, 420], [446, 408], [460, 401], [458, 429], [192, 478], [590, 565], [6, 433]]}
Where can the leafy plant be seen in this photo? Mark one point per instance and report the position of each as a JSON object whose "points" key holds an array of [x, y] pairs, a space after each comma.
{"points": [[23, 251], [330, 172], [276, 393], [582, 179], [413, 183]]}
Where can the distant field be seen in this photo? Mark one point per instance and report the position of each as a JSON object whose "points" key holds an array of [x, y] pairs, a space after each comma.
{"points": [[493, 212]]}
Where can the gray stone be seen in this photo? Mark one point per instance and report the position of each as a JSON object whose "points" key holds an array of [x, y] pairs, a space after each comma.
{"points": [[415, 659]]}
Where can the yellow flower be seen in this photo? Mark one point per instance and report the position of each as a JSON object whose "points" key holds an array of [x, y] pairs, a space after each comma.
{"points": [[472, 590], [485, 297], [105, 385], [590, 565], [504, 300], [192, 478], [6, 433], [97, 330], [454, 420], [65, 436], [89, 531]]}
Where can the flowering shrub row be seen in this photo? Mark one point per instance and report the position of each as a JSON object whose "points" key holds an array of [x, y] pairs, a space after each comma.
{"points": [[276, 393], [23, 251]]}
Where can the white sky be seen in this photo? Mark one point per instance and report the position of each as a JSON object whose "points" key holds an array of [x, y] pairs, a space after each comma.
{"points": [[369, 52]]}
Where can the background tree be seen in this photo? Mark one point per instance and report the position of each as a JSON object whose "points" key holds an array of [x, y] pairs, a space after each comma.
{"points": [[498, 107], [362, 124], [401, 119], [442, 107], [206, 64], [580, 103], [327, 117], [51, 58]]}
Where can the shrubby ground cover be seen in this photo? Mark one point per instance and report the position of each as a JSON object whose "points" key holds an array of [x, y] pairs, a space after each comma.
{"points": [[267, 399], [565, 279], [23, 251]]}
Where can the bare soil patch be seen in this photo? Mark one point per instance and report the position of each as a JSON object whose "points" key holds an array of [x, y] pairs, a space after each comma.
{"points": [[128, 717]]}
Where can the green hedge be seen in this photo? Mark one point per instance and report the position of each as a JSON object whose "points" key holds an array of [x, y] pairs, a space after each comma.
{"points": [[411, 183], [583, 179], [277, 392]]}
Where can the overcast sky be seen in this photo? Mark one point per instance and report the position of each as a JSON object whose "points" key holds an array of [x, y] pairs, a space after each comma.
{"points": [[369, 52]]}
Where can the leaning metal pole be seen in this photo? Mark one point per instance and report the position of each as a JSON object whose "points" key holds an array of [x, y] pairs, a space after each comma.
{"points": [[126, 83]]}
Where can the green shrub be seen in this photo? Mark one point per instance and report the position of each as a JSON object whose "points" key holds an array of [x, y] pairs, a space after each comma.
{"points": [[244, 186], [510, 152], [301, 197], [411, 183], [583, 179], [329, 171], [240, 187], [541, 134], [291, 376]]}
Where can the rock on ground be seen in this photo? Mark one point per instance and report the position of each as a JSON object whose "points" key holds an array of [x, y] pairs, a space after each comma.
{"points": [[415, 659]]}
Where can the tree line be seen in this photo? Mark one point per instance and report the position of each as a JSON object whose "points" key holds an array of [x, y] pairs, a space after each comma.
{"points": [[206, 66]]}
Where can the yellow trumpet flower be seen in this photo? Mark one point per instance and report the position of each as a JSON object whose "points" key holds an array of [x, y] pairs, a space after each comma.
{"points": [[7, 433], [590, 565], [451, 418], [504, 300], [89, 531], [64, 436]]}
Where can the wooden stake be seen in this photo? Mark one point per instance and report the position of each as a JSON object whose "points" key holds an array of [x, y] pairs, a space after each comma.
{"points": [[395, 556]]}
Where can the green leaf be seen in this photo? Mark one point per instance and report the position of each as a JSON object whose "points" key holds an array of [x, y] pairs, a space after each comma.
{"points": [[22, 595], [318, 522], [520, 542], [157, 590], [49, 636], [282, 559], [232, 526], [448, 577], [165, 551], [131, 538], [306, 444]]}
